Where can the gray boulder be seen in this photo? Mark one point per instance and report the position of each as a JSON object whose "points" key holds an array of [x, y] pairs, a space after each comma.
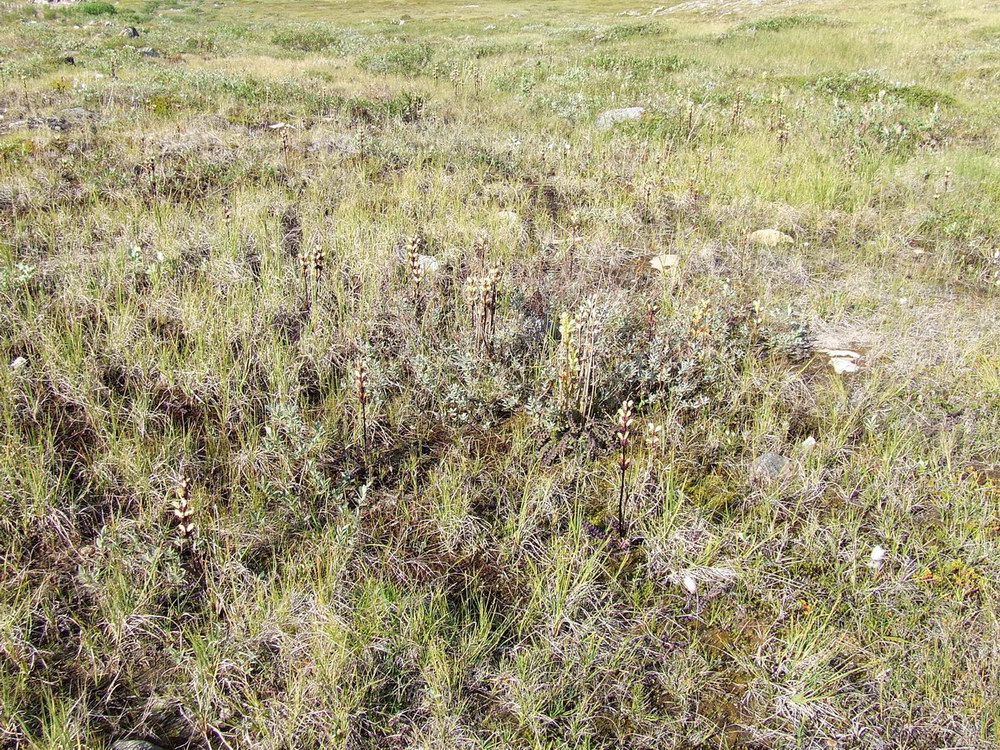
{"points": [[771, 467], [78, 113]]}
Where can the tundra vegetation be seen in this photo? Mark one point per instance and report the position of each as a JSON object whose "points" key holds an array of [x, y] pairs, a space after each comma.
{"points": [[362, 386]]}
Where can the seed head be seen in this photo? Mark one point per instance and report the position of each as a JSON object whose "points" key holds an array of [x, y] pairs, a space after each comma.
{"points": [[479, 247], [316, 260], [623, 433], [361, 381], [568, 358], [183, 512], [414, 249], [654, 436]]}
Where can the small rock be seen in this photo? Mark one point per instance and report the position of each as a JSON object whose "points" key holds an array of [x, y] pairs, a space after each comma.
{"points": [[78, 113], [843, 353], [609, 117], [663, 263], [771, 466], [843, 361], [877, 557], [34, 123], [690, 584], [770, 238], [18, 363], [809, 443], [428, 263], [131, 32], [148, 52], [843, 365]]}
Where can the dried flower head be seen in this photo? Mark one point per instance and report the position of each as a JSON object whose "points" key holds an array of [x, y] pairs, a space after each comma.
{"points": [[568, 358], [481, 294], [654, 436], [479, 247], [623, 432], [311, 263], [414, 256], [183, 512], [737, 114], [361, 381]]}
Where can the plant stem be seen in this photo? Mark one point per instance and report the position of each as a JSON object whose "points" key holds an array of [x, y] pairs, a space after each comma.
{"points": [[364, 429], [621, 497]]}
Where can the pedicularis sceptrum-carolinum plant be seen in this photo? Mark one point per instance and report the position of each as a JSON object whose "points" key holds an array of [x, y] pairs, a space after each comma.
{"points": [[493, 345]]}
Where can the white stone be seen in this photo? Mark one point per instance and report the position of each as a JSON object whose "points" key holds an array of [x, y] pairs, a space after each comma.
{"points": [[428, 263], [843, 365], [663, 263], [845, 353], [771, 467], [610, 116], [769, 238]]}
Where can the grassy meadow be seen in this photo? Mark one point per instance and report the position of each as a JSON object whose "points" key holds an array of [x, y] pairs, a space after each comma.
{"points": [[361, 386]]}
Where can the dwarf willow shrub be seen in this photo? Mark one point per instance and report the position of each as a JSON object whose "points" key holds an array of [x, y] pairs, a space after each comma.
{"points": [[304, 40], [640, 64], [399, 59], [97, 8], [866, 85]]}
